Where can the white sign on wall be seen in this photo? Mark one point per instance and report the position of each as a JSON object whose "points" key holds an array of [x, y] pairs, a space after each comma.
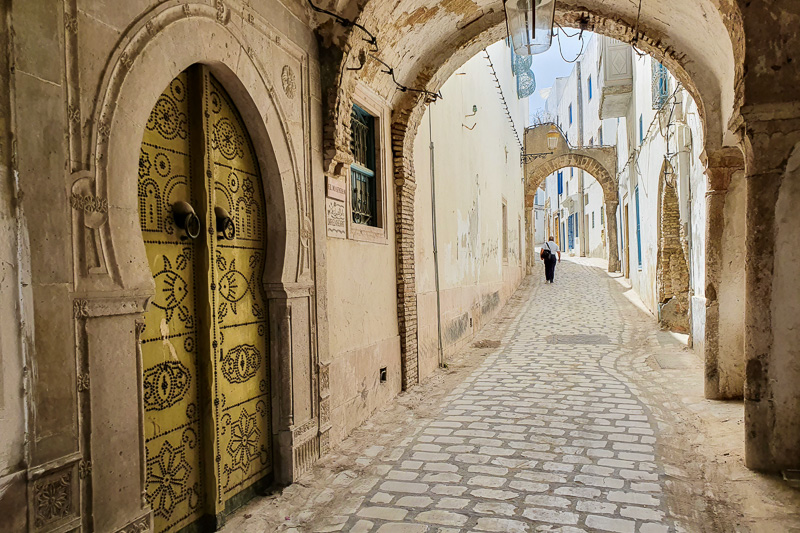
{"points": [[336, 218]]}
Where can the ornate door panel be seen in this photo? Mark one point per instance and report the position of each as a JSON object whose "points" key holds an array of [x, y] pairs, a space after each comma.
{"points": [[241, 370], [169, 342], [206, 376]]}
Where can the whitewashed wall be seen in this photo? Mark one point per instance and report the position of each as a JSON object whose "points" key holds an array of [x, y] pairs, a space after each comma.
{"points": [[477, 168]]}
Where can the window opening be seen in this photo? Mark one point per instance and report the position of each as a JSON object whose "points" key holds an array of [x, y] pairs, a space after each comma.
{"points": [[362, 171], [660, 85]]}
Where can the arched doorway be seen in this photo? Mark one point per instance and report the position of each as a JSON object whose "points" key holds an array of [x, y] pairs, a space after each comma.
{"points": [[205, 372]]}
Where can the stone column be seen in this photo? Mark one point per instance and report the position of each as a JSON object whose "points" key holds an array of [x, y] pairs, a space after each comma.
{"points": [[772, 316], [529, 234], [720, 166], [611, 234]]}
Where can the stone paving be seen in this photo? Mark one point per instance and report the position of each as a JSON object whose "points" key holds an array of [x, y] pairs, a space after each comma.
{"points": [[543, 436]]}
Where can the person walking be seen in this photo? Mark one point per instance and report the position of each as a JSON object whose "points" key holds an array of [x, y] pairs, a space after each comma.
{"points": [[548, 255]]}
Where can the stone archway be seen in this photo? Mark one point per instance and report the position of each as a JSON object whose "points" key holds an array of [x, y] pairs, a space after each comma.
{"points": [[598, 161], [672, 269], [460, 32]]}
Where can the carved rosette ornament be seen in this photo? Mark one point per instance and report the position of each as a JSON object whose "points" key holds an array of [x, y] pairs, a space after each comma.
{"points": [[288, 81], [52, 499]]}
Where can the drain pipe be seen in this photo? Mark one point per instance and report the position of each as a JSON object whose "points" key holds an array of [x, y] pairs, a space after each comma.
{"points": [[435, 244]]}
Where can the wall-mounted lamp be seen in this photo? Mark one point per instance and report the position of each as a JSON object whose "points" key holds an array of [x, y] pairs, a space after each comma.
{"points": [[552, 137], [186, 219], [530, 25], [226, 229]]}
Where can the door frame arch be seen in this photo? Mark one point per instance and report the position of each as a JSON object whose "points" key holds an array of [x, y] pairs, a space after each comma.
{"points": [[111, 431]]}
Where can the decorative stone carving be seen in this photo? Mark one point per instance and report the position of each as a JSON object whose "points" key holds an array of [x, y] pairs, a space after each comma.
{"points": [[289, 82], [126, 61], [83, 382], [74, 114], [84, 469], [71, 24], [52, 498], [89, 203], [140, 525], [324, 443], [324, 412], [223, 13], [80, 308], [324, 380]]}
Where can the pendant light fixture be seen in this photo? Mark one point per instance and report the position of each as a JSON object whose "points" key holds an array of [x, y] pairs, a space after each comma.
{"points": [[530, 25]]}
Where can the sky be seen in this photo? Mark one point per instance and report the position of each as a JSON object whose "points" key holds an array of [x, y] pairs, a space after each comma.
{"points": [[550, 65]]}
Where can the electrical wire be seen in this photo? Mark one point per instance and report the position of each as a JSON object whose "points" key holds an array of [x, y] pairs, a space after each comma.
{"points": [[633, 159], [635, 39], [580, 38], [503, 99], [375, 49], [373, 41]]}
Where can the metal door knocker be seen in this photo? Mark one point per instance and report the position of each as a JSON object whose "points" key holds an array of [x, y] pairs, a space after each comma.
{"points": [[226, 229], [186, 219]]}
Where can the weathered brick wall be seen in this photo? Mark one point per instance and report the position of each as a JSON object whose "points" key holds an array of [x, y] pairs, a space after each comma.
{"points": [[672, 271]]}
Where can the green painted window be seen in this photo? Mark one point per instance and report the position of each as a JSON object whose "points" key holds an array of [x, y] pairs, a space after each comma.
{"points": [[363, 170]]}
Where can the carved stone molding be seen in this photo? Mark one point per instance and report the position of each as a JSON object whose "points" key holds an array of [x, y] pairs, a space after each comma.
{"points": [[83, 382], [288, 81], [53, 495], [140, 525]]}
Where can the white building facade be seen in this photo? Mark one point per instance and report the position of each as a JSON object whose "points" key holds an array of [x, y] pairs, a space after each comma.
{"points": [[617, 96]]}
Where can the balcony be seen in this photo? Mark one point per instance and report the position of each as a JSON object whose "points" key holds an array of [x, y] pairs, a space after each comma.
{"points": [[616, 78]]}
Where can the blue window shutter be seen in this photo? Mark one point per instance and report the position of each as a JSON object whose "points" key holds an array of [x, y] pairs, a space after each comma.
{"points": [[560, 183], [638, 227], [641, 130], [590, 87]]}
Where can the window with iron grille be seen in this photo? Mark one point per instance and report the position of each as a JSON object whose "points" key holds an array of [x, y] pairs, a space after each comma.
{"points": [[660, 85], [362, 171]]}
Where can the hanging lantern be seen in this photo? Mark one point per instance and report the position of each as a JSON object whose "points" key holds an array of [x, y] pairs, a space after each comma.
{"points": [[530, 25], [552, 137]]}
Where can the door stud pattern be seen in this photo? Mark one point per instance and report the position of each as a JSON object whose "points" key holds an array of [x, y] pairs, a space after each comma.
{"points": [[205, 382]]}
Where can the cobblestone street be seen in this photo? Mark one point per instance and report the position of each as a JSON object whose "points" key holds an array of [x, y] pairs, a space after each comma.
{"points": [[546, 433]]}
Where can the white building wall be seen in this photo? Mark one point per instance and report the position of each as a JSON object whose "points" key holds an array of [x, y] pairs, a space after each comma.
{"points": [[477, 169], [641, 163]]}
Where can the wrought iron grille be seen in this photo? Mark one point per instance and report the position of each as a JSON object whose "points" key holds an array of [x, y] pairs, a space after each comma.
{"points": [[362, 171], [660, 85]]}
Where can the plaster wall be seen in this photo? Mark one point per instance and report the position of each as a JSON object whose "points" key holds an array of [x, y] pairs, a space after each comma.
{"points": [[12, 250], [477, 168], [785, 309], [732, 291], [690, 151]]}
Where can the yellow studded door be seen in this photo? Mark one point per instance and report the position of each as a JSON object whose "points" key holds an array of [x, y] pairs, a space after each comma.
{"points": [[205, 367], [240, 370]]}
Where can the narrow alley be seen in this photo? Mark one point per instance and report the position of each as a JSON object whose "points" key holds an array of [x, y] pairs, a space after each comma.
{"points": [[563, 416]]}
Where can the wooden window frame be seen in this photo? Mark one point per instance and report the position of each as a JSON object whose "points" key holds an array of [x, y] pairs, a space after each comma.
{"points": [[377, 107]]}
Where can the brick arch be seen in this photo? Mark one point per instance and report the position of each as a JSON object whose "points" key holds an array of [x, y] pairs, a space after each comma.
{"points": [[672, 267]]}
